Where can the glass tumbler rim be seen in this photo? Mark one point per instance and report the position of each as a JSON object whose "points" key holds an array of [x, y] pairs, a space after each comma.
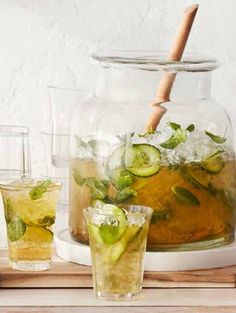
{"points": [[13, 184], [146, 211], [9, 129]]}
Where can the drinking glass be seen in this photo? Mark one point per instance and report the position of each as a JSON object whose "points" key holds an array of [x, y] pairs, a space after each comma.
{"points": [[63, 102], [15, 152], [118, 243], [15, 161], [29, 207]]}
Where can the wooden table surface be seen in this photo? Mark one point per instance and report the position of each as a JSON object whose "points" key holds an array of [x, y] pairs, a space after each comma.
{"points": [[67, 287]]}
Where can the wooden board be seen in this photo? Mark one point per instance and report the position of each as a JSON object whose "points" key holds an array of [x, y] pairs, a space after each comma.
{"points": [[68, 275], [151, 300]]}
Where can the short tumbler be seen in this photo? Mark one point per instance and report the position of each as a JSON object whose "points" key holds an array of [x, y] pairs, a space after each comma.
{"points": [[29, 207], [118, 243]]}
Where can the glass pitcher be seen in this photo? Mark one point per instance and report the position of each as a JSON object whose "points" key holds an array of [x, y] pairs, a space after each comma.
{"points": [[184, 170]]}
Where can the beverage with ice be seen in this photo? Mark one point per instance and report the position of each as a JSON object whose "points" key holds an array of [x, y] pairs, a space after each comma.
{"points": [[118, 241], [186, 175], [29, 207]]}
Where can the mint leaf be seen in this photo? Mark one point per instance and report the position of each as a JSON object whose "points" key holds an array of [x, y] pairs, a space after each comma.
{"points": [[121, 178], [47, 221], [8, 210], [185, 195], [38, 191], [162, 215], [124, 194], [81, 143], [191, 128], [77, 177], [124, 180], [174, 126], [16, 229], [98, 188], [216, 138], [178, 137]]}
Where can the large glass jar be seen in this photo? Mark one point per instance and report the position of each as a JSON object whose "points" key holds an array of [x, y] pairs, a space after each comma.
{"points": [[184, 170]]}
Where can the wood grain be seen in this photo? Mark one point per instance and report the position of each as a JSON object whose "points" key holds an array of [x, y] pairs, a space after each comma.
{"points": [[172, 297], [132, 309]]}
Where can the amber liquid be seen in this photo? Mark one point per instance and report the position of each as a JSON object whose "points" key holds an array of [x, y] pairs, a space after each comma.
{"points": [[176, 225]]}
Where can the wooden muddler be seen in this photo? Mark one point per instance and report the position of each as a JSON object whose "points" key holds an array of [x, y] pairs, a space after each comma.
{"points": [[167, 81]]}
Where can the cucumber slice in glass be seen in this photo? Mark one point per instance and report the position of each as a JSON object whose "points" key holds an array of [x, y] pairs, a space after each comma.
{"points": [[142, 160], [115, 251], [215, 163]]}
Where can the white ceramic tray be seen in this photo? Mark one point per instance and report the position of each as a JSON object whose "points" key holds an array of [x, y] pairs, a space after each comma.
{"points": [[72, 251]]}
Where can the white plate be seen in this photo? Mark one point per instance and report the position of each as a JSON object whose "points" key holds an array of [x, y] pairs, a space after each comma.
{"points": [[73, 251]]}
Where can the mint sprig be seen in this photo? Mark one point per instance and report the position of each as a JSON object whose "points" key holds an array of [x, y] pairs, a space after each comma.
{"points": [[38, 191], [124, 194]]}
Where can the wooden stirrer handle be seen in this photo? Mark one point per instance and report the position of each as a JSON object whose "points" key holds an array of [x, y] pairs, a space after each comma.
{"points": [[167, 81]]}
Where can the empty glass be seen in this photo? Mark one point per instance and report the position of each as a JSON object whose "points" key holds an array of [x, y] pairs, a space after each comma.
{"points": [[63, 102], [15, 152]]}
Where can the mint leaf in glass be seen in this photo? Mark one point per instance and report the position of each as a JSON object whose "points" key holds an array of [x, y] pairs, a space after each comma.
{"points": [[185, 195], [81, 143], [38, 191], [98, 188], [190, 128], [9, 210], [47, 221], [215, 138], [174, 126], [124, 194], [16, 229], [179, 136], [78, 178], [120, 178], [214, 163], [162, 215]]}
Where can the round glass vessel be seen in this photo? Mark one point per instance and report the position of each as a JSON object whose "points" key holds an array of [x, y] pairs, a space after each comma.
{"points": [[184, 169]]}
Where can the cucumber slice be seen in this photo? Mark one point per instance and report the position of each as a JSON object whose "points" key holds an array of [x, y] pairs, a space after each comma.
{"points": [[115, 251], [111, 232], [94, 233], [142, 160], [215, 163]]}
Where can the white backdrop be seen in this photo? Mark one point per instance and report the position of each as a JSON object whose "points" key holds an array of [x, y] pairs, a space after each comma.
{"points": [[45, 42]]}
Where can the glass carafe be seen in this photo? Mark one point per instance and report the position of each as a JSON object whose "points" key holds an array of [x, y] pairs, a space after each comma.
{"points": [[184, 170]]}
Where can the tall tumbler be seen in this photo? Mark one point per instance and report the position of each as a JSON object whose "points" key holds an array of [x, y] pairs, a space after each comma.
{"points": [[15, 161]]}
